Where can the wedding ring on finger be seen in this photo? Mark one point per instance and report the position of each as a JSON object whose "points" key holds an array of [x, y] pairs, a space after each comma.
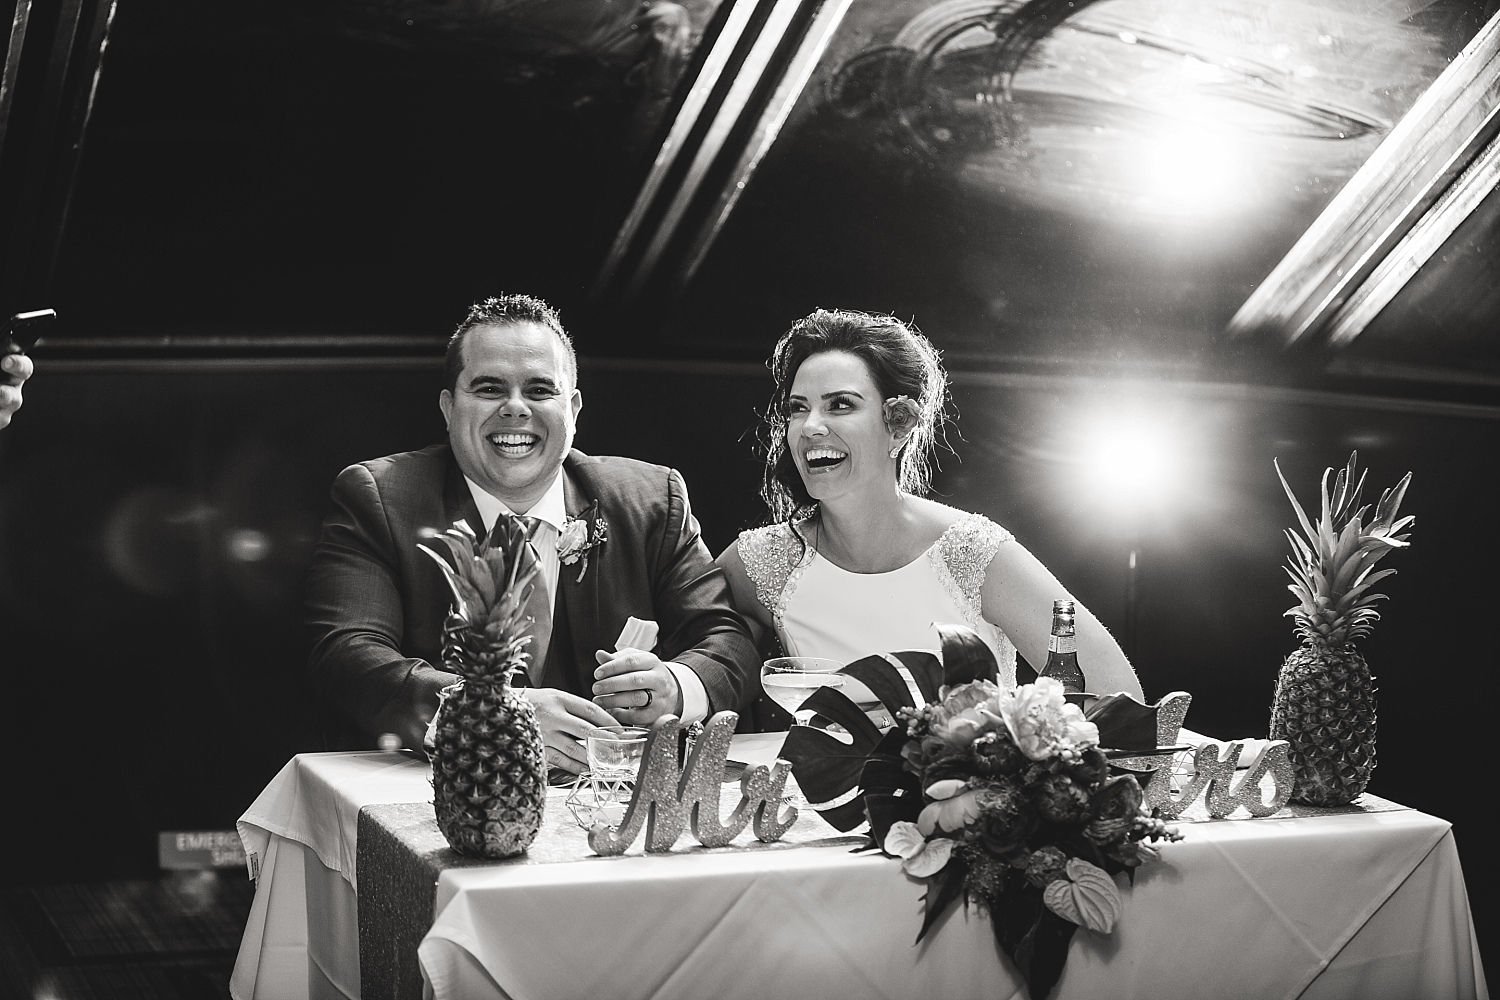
{"points": [[650, 697]]}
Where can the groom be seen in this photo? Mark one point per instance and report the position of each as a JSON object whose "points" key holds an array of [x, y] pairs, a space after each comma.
{"points": [[615, 537]]}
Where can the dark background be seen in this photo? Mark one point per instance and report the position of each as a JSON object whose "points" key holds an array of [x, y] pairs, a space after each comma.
{"points": [[283, 208]]}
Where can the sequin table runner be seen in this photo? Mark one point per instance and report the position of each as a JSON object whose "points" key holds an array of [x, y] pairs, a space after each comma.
{"points": [[401, 853]]}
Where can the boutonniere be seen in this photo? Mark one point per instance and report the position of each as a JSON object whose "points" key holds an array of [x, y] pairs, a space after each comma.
{"points": [[580, 536]]}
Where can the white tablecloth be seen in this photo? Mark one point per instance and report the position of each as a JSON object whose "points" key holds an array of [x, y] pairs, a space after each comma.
{"points": [[1335, 906], [302, 936]]}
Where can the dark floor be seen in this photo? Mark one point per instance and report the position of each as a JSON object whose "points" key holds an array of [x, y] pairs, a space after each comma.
{"points": [[169, 938]]}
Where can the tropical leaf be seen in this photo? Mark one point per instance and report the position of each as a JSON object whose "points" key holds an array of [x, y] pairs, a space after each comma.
{"points": [[827, 768], [1364, 582], [1143, 776], [483, 579], [1325, 497], [1390, 501], [1301, 587], [1331, 564], [518, 554], [1124, 723], [1049, 953], [1307, 529], [1348, 544], [1302, 553], [465, 597], [883, 809], [877, 674], [1344, 498], [925, 669], [490, 583], [932, 859], [1014, 915], [1088, 897], [891, 744], [890, 791], [966, 657], [942, 890], [883, 773], [463, 545]]}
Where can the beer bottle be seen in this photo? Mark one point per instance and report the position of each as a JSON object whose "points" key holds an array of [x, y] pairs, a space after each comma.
{"points": [[1062, 650]]}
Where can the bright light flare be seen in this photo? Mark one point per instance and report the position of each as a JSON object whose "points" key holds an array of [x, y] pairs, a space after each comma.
{"points": [[1192, 172], [1132, 460]]}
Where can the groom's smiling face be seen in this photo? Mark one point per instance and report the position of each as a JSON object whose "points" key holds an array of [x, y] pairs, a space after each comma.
{"points": [[512, 414]]}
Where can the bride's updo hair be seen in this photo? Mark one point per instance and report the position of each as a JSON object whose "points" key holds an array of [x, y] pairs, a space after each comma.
{"points": [[901, 362]]}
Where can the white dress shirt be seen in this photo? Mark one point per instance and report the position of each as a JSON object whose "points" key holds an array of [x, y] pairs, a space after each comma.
{"points": [[551, 513]]}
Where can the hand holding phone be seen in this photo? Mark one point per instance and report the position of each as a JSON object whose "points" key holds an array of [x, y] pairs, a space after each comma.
{"points": [[21, 334], [23, 330]]}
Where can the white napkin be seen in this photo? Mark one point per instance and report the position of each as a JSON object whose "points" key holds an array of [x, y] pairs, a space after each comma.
{"points": [[1249, 750], [756, 748], [429, 737], [637, 634]]}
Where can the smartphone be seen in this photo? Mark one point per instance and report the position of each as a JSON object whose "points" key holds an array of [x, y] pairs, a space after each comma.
{"points": [[25, 329]]}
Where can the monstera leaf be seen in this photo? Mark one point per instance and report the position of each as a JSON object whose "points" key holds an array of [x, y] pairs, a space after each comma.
{"points": [[966, 657], [877, 674], [829, 770], [1124, 723], [889, 790]]}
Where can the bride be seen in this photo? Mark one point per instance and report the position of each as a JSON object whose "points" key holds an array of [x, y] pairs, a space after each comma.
{"points": [[856, 560]]}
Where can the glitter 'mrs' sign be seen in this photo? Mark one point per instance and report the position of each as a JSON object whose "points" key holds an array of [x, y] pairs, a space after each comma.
{"points": [[666, 799], [1213, 774]]}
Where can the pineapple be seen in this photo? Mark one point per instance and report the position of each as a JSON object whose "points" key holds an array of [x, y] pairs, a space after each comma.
{"points": [[489, 782], [1325, 696]]}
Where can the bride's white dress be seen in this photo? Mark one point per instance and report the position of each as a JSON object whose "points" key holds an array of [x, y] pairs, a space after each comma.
{"points": [[820, 609]]}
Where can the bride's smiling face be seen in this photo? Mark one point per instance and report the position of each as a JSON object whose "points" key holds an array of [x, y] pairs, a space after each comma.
{"points": [[836, 430]]}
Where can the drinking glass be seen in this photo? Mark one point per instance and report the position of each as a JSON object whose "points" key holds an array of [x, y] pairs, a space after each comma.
{"points": [[602, 793], [790, 680], [615, 752]]}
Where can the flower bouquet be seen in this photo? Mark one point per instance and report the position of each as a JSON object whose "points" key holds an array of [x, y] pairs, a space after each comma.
{"points": [[1001, 797], [1015, 810]]}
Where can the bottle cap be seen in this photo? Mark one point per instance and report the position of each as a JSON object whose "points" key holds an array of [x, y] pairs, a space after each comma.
{"points": [[1062, 607]]}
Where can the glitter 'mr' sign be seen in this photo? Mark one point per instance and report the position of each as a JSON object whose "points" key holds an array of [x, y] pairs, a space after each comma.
{"points": [[667, 799]]}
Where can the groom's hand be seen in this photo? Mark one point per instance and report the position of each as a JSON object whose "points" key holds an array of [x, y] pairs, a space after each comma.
{"points": [[636, 686], [564, 719]]}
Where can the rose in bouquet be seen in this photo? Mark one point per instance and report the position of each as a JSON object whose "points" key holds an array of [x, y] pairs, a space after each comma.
{"points": [[1014, 809]]}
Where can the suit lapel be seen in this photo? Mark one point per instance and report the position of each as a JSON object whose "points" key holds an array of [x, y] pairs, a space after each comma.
{"points": [[458, 502], [579, 601]]}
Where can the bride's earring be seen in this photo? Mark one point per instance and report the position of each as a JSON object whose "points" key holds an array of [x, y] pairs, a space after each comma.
{"points": [[897, 449]]}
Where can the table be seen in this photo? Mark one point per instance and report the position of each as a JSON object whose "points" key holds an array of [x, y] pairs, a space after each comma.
{"points": [[1361, 903]]}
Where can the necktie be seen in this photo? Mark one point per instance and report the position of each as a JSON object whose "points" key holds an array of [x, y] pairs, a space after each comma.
{"points": [[538, 607]]}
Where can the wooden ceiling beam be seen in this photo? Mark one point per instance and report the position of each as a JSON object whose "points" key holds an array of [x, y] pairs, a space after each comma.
{"points": [[1418, 185]]}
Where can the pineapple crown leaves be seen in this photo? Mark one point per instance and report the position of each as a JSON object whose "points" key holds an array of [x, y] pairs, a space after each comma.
{"points": [[490, 579], [1332, 565]]}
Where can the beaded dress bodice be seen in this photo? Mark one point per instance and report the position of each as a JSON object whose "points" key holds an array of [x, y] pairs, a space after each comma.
{"points": [[820, 609]]}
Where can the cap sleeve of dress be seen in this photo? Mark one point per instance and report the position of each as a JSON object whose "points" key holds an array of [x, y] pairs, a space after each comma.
{"points": [[769, 555], [964, 553]]}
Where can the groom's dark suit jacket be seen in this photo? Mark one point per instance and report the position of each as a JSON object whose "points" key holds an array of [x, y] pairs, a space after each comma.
{"points": [[376, 604]]}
